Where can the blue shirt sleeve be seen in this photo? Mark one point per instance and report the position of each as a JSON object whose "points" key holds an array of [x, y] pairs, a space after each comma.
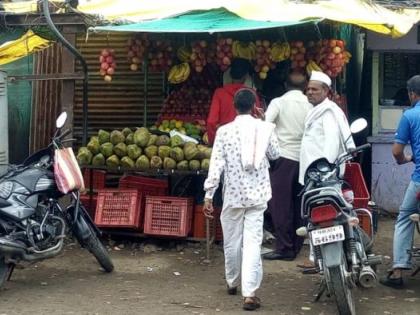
{"points": [[403, 132]]}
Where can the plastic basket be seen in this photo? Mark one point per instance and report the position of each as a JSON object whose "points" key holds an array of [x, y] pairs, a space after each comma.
{"points": [[98, 178], [168, 216], [147, 186], [354, 176], [89, 202], [199, 226], [119, 208], [365, 223]]}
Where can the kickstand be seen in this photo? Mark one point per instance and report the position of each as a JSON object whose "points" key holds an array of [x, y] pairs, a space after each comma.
{"points": [[11, 268], [415, 271], [321, 290]]}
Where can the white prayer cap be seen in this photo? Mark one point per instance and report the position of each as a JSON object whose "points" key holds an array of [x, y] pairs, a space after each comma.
{"points": [[321, 77]]}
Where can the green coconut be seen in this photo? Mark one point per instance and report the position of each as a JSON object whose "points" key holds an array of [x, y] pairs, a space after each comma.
{"points": [[141, 137], [205, 164], [163, 140], [182, 166], [151, 151], [94, 145], [143, 163], [113, 161], [152, 140], [164, 151], [126, 131], [169, 164], [116, 137], [129, 139], [177, 154], [127, 162], [98, 160], [133, 151], [120, 149], [194, 165], [103, 136], [107, 149], [156, 162]]}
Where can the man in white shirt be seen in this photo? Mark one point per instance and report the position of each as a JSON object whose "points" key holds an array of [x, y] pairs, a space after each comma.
{"points": [[327, 132], [240, 152], [288, 113]]}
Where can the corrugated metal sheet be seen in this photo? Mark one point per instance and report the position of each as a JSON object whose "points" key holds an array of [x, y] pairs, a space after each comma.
{"points": [[46, 103], [119, 103]]}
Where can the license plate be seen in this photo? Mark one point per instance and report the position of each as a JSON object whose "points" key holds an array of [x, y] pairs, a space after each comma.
{"points": [[328, 235]]}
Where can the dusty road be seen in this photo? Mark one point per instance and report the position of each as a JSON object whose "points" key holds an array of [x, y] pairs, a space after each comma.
{"points": [[176, 282]]}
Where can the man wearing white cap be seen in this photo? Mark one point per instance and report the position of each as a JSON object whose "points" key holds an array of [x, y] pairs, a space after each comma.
{"points": [[326, 126]]}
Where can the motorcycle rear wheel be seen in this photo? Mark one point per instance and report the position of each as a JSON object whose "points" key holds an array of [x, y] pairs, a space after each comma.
{"points": [[4, 272], [342, 292]]}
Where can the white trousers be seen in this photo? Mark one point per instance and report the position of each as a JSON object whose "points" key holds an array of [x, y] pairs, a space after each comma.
{"points": [[242, 238]]}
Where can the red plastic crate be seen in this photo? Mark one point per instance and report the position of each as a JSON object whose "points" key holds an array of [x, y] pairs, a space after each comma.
{"points": [[119, 208], [168, 216], [145, 185], [98, 178], [365, 222], [89, 203], [354, 176], [199, 226], [148, 186]]}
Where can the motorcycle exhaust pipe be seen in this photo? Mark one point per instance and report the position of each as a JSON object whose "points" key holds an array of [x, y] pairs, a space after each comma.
{"points": [[374, 260], [367, 277]]}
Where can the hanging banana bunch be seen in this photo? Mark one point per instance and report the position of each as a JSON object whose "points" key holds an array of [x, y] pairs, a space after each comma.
{"points": [[280, 51], [179, 73], [312, 66], [184, 53], [244, 50]]}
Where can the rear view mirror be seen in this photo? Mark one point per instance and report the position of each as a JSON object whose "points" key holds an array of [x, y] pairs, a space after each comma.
{"points": [[358, 125], [61, 120]]}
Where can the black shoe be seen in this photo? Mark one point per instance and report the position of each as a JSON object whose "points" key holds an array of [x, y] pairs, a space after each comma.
{"points": [[396, 283], [232, 291], [288, 256]]}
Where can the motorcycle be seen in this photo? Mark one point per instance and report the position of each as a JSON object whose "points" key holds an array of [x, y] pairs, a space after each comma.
{"points": [[33, 220], [341, 249]]}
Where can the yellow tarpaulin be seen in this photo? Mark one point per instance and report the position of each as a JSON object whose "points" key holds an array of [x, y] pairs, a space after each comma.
{"points": [[358, 12], [27, 44]]}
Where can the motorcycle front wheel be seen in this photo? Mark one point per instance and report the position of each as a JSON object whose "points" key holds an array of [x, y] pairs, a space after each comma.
{"points": [[95, 246], [342, 292]]}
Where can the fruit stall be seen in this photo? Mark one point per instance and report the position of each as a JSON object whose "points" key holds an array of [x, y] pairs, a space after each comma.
{"points": [[148, 152]]}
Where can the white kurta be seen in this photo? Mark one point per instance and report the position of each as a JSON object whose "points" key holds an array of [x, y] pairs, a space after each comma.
{"points": [[246, 191], [241, 188], [326, 130]]}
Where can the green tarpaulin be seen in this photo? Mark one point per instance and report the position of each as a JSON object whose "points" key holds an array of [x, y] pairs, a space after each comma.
{"points": [[211, 21]]}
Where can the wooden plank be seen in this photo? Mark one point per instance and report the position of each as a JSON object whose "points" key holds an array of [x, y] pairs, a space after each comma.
{"points": [[44, 77]]}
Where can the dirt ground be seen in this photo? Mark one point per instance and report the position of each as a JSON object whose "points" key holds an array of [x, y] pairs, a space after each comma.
{"points": [[176, 281]]}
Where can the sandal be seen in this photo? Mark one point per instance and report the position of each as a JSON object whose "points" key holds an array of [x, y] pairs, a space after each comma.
{"points": [[232, 291], [251, 303]]}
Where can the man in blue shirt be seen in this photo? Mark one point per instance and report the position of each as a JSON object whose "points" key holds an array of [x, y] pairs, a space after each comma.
{"points": [[408, 131]]}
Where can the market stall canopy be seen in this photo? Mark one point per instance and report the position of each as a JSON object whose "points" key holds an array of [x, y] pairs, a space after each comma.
{"points": [[25, 45], [217, 20], [358, 12]]}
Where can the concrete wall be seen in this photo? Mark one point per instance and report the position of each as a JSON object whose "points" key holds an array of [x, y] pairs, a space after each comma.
{"points": [[377, 42], [389, 180]]}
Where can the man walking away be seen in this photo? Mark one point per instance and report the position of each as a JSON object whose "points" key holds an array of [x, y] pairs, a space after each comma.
{"points": [[408, 132], [240, 152], [288, 112]]}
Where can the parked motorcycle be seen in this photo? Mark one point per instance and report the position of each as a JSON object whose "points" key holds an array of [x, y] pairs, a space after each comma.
{"points": [[341, 249], [33, 220]]}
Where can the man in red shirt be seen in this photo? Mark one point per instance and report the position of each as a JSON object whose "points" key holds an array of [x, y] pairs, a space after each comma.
{"points": [[222, 110]]}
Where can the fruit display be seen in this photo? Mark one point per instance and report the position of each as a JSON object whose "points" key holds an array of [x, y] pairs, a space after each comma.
{"points": [[224, 53], [160, 55], [333, 56], [137, 47], [263, 58], [190, 101], [107, 64], [192, 129], [145, 152], [198, 56], [297, 56], [179, 73]]}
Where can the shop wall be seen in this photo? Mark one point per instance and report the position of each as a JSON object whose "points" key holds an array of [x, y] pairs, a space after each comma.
{"points": [[411, 41], [119, 103], [19, 102]]}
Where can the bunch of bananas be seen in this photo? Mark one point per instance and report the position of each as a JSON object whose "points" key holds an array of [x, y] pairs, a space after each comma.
{"points": [[179, 73], [312, 66], [244, 50], [184, 53], [280, 51]]}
